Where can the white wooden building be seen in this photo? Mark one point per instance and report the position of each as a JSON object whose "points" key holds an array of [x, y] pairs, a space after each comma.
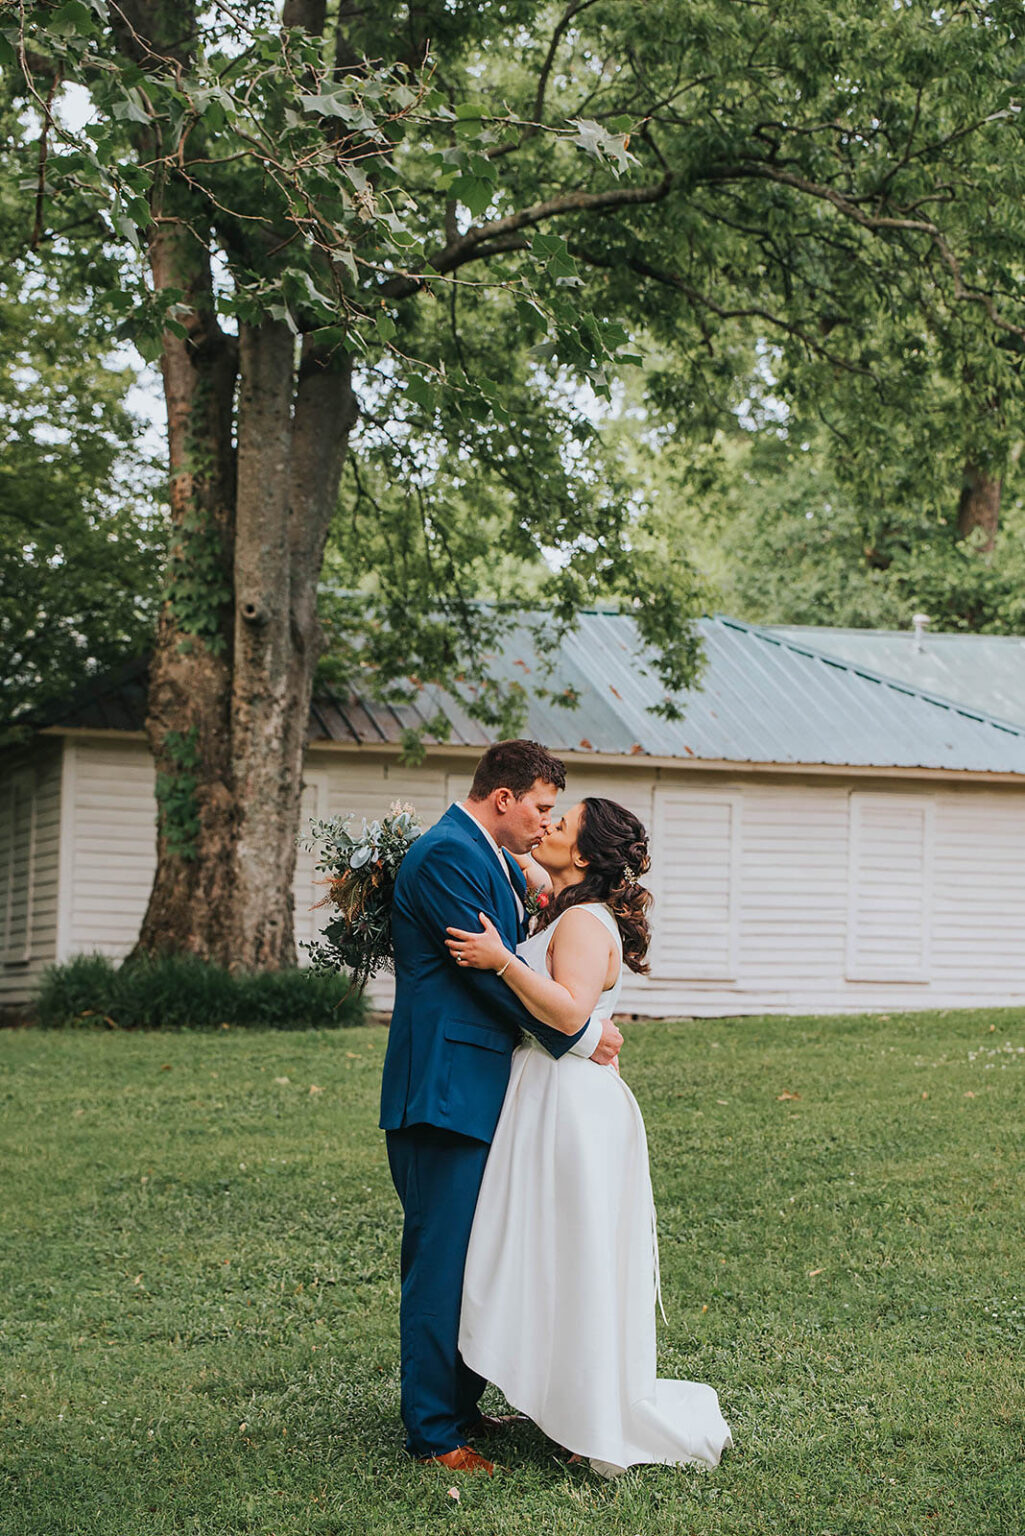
{"points": [[825, 839]]}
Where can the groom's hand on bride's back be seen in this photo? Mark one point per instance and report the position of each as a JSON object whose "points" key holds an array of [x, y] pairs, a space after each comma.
{"points": [[609, 1045]]}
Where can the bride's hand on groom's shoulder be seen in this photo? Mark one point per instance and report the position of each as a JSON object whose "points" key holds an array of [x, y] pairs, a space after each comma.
{"points": [[609, 1046], [537, 879]]}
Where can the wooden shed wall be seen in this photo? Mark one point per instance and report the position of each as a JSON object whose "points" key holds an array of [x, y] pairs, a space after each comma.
{"points": [[785, 894]]}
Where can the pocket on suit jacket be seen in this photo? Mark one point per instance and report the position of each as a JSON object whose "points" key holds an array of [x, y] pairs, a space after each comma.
{"points": [[479, 1034]]}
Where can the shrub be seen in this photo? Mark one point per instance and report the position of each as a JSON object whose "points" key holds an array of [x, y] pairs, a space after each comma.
{"points": [[183, 992]]}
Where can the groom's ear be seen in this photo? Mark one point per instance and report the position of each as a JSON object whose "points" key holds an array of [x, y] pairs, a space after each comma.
{"points": [[502, 799]]}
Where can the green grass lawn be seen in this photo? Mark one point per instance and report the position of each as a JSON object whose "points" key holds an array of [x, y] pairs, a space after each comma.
{"points": [[198, 1273]]}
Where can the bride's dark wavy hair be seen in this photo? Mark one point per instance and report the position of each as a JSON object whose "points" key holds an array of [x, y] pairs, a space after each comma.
{"points": [[615, 845]]}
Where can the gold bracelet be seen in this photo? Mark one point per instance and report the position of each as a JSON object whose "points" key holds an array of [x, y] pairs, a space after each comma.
{"points": [[506, 966]]}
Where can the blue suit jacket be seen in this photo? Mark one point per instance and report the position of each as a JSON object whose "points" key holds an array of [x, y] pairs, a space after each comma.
{"points": [[453, 1029]]}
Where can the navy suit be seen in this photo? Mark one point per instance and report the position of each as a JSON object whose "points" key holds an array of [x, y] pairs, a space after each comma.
{"points": [[446, 1069]]}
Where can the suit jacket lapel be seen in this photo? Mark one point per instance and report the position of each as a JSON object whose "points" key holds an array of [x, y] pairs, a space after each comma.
{"points": [[504, 893]]}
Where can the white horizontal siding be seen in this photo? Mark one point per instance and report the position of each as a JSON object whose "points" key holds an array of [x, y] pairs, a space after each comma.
{"points": [[792, 895], [789, 886], [113, 854]]}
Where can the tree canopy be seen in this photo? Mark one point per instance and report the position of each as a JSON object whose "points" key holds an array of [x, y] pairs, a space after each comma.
{"points": [[390, 250], [81, 529], [843, 181]]}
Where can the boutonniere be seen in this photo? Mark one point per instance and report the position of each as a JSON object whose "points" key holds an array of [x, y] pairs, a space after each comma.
{"points": [[536, 901]]}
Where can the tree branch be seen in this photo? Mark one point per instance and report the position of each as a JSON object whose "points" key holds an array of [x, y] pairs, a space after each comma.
{"points": [[874, 224], [468, 247], [44, 150], [747, 312], [534, 127]]}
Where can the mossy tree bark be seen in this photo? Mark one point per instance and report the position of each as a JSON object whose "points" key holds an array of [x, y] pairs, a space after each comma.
{"points": [[258, 428]]}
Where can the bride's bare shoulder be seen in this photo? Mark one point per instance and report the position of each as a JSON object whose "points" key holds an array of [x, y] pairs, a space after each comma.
{"points": [[581, 925]]}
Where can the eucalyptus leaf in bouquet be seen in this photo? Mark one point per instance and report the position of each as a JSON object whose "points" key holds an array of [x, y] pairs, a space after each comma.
{"points": [[360, 863]]}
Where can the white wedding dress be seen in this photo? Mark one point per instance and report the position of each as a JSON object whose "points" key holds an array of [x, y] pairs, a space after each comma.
{"points": [[561, 1273]]}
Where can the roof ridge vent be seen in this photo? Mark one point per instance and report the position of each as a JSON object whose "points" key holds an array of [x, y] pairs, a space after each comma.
{"points": [[920, 620]]}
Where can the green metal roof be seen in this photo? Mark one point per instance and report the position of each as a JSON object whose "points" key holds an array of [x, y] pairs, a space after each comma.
{"points": [[765, 697], [984, 671]]}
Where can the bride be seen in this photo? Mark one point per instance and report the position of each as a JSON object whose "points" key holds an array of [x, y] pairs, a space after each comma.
{"points": [[561, 1275]]}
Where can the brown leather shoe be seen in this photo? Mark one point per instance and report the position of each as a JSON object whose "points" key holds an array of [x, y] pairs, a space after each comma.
{"points": [[488, 1423], [463, 1459]]}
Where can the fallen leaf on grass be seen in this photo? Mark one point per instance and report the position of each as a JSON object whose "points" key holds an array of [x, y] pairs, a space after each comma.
{"points": [[722, 1101], [453, 1493], [968, 1095], [786, 1094], [315, 1089], [282, 1080], [816, 1272], [166, 1067]]}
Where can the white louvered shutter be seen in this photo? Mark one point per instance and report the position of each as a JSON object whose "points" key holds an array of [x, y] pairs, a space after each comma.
{"points": [[890, 887], [696, 879], [19, 812]]}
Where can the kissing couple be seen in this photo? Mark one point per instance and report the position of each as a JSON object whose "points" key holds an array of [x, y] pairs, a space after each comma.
{"points": [[529, 1253]]}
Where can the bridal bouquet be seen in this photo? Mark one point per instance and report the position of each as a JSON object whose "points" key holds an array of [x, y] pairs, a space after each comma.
{"points": [[361, 867]]}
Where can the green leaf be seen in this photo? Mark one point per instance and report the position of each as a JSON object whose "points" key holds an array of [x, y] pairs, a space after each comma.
{"points": [[73, 16], [421, 392], [139, 210], [348, 261], [129, 110], [150, 345], [595, 139], [474, 192], [127, 227], [299, 286], [532, 318], [283, 312]]}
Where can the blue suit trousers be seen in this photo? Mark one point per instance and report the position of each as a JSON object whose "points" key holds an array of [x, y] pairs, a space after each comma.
{"points": [[437, 1174]]}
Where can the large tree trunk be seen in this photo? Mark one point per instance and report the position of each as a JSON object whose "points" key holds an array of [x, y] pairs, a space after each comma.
{"points": [[238, 639], [290, 459], [188, 721], [979, 506], [228, 712]]}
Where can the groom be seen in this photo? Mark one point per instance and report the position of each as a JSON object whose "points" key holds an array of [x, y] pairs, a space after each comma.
{"points": [[446, 1070]]}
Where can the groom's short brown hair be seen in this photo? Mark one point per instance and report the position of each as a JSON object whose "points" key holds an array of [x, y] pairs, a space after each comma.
{"points": [[516, 765]]}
